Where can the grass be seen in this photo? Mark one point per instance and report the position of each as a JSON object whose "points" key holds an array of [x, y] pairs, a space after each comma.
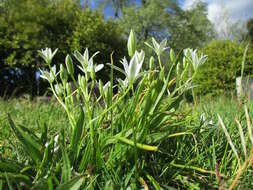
{"points": [[211, 141], [33, 114]]}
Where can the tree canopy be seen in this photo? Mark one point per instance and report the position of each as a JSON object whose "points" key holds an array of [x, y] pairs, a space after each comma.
{"points": [[27, 26]]}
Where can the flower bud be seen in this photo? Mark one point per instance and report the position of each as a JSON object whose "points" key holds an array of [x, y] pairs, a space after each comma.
{"points": [[63, 74], [101, 90], [178, 69], [151, 62], [161, 74], [68, 88], [131, 44], [184, 63], [92, 73], [172, 56], [82, 82], [58, 89], [69, 64]]}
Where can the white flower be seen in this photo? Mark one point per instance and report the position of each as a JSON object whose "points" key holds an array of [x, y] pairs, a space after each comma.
{"points": [[192, 56], [133, 68], [96, 67], [158, 48], [106, 87], [123, 83], [50, 76], [86, 62], [47, 54]]}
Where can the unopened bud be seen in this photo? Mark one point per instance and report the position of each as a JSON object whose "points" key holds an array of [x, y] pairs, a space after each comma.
{"points": [[172, 56], [68, 88], [92, 73], [151, 62], [82, 82], [131, 44], [69, 64], [63, 73]]}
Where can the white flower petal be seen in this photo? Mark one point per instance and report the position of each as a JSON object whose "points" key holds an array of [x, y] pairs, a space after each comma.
{"points": [[99, 67]]}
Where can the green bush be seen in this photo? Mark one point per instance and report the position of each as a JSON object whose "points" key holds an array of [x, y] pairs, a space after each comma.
{"points": [[29, 25], [223, 65]]}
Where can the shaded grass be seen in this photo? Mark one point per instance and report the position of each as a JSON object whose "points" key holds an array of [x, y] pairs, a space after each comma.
{"points": [[32, 114]]}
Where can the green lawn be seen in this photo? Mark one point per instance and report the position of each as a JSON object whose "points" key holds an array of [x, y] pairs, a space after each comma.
{"points": [[193, 157]]}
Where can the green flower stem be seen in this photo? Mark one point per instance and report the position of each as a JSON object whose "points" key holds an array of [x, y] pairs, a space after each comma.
{"points": [[160, 62], [114, 105], [63, 105], [111, 92]]}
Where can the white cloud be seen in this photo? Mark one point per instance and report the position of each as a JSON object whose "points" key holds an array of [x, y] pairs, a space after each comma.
{"points": [[188, 4], [222, 12]]}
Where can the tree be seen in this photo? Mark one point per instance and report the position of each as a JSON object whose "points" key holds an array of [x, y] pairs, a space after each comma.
{"points": [[250, 29], [165, 19], [98, 35], [117, 5], [27, 26]]}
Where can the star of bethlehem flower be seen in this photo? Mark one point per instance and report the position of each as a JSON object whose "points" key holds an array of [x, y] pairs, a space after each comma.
{"points": [[158, 48], [49, 75], [193, 57], [47, 54], [132, 69], [87, 63]]}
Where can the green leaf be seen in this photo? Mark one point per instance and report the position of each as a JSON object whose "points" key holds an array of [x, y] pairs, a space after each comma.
{"points": [[76, 137], [41, 184], [72, 184], [45, 161], [50, 183], [15, 176], [159, 98], [86, 157], [8, 182], [66, 170], [7, 166], [154, 182], [1, 184], [43, 137], [30, 145], [138, 145]]}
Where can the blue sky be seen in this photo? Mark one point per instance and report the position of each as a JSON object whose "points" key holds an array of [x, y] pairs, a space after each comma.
{"points": [[236, 9], [220, 12]]}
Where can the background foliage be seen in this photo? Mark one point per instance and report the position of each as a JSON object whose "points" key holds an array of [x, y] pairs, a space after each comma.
{"points": [[223, 65], [29, 25]]}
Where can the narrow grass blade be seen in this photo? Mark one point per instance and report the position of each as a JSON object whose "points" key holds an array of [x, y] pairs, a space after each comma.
{"points": [[43, 137], [9, 167], [143, 183], [159, 98], [8, 182], [138, 145], [86, 158], [50, 183], [129, 175], [229, 139], [66, 169], [30, 145], [248, 124], [154, 182], [45, 160], [72, 184], [1, 184], [15, 176], [194, 168], [242, 138], [76, 137]]}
